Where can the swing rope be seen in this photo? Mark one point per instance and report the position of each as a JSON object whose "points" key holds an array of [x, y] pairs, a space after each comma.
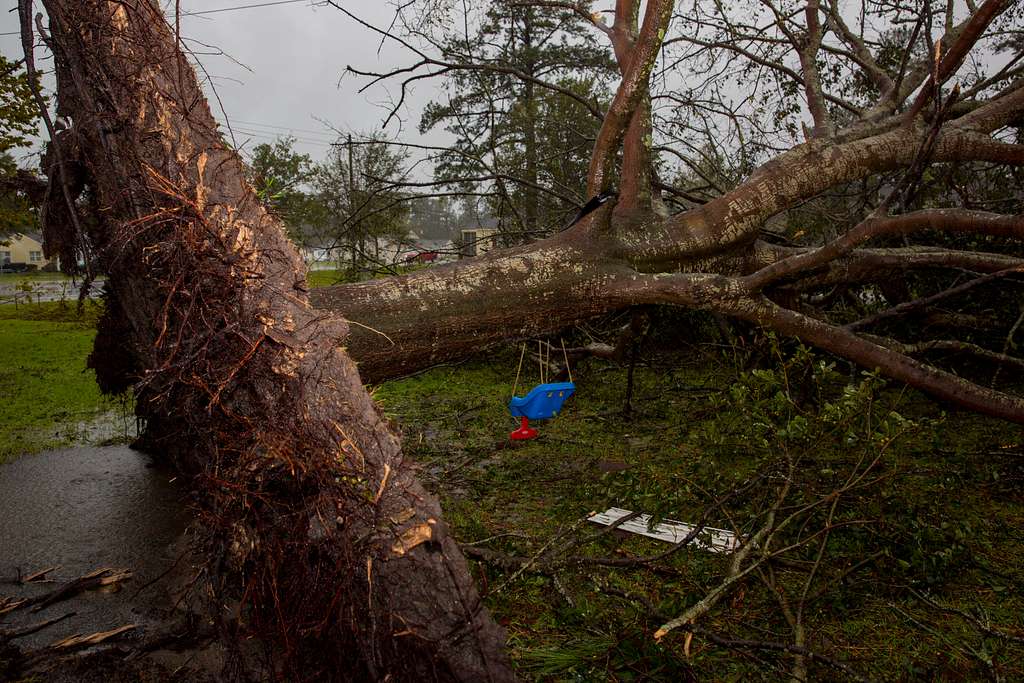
{"points": [[543, 357], [515, 384], [565, 355], [540, 359]]}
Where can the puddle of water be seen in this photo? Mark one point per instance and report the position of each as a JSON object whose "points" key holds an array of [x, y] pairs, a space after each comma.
{"points": [[111, 427], [86, 508]]}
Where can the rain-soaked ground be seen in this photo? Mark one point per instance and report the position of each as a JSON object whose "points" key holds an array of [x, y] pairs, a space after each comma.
{"points": [[84, 509]]}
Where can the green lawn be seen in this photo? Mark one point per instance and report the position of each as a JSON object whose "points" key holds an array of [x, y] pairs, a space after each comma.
{"points": [[324, 278], [947, 518], [48, 392], [15, 278]]}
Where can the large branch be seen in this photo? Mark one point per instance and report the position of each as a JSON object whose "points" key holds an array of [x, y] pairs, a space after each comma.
{"points": [[311, 514], [943, 220], [938, 383], [807, 48], [635, 174], [632, 91], [875, 265], [954, 57], [447, 312], [917, 305], [812, 168]]}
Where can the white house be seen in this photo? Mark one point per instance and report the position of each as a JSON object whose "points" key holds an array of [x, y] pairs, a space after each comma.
{"points": [[24, 248]]}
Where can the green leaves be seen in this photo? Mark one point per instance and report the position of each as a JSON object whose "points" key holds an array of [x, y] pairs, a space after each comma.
{"points": [[280, 175], [19, 118], [17, 215], [19, 115]]}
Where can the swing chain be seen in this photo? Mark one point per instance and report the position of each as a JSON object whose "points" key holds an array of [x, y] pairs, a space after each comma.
{"points": [[540, 359]]}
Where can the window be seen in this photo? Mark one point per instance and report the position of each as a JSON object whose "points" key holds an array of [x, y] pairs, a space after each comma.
{"points": [[5, 257], [35, 256]]}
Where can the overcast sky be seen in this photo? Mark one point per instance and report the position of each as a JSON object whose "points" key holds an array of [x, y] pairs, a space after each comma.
{"points": [[294, 56]]}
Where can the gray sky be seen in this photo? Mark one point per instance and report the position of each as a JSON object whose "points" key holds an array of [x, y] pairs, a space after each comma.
{"points": [[295, 54]]}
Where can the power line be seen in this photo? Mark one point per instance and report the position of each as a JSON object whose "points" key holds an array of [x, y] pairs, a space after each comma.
{"points": [[270, 137], [212, 11], [237, 125], [253, 124], [240, 7]]}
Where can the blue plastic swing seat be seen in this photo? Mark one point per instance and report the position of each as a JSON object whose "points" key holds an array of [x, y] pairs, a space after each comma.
{"points": [[543, 402]]}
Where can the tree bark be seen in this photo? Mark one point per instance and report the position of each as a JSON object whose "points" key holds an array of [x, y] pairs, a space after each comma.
{"points": [[313, 518]]}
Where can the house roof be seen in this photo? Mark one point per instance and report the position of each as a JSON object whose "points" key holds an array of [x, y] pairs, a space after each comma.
{"points": [[34, 236], [482, 223]]}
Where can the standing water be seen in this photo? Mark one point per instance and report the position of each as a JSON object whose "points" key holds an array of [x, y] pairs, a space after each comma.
{"points": [[83, 509]]}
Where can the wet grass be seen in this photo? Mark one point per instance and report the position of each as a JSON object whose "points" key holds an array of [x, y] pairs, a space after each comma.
{"points": [[34, 276], [950, 522], [47, 391], [325, 278]]}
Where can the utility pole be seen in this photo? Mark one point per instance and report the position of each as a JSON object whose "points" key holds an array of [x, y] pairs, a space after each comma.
{"points": [[352, 204]]}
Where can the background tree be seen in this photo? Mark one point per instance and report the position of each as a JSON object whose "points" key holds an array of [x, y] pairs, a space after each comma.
{"points": [[358, 210], [281, 177], [19, 114], [513, 138], [19, 121], [434, 218], [18, 208]]}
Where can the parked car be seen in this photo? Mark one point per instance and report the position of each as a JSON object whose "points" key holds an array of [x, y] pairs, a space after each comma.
{"points": [[17, 267]]}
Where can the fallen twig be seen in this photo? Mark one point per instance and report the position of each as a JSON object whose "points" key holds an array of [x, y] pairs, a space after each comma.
{"points": [[7, 636], [92, 580]]}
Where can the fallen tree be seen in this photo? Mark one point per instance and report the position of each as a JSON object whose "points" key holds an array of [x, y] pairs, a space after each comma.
{"points": [[315, 525], [712, 256]]}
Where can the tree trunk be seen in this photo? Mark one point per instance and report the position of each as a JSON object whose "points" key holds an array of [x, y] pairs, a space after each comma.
{"points": [[529, 105], [313, 518]]}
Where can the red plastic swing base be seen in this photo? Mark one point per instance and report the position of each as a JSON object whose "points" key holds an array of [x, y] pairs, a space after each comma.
{"points": [[524, 432]]}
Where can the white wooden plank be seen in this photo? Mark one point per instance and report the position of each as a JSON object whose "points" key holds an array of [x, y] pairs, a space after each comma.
{"points": [[709, 539]]}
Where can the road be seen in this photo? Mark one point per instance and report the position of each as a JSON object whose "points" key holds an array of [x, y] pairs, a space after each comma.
{"points": [[38, 290]]}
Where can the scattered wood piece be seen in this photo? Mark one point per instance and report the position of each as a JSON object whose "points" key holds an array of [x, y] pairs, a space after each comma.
{"points": [[10, 604], [39, 576], [45, 656], [78, 641], [669, 531], [96, 579], [7, 636]]}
